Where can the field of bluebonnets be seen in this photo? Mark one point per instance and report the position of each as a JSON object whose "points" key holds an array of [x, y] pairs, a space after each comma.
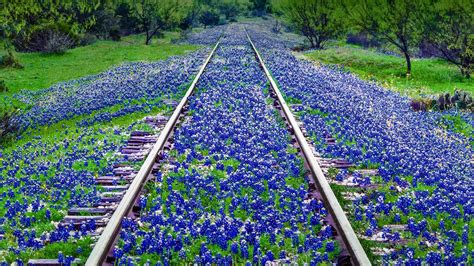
{"points": [[233, 190], [78, 126], [419, 207]]}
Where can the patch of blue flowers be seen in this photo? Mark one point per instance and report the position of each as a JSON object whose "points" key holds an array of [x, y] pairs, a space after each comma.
{"points": [[425, 173], [41, 179], [44, 174], [209, 36], [130, 81]]}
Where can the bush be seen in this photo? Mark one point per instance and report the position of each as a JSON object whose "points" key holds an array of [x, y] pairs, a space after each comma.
{"points": [[209, 18], [460, 100], [8, 124], [87, 39], [106, 25], [48, 38], [10, 60], [3, 86], [51, 41], [362, 39], [115, 35]]}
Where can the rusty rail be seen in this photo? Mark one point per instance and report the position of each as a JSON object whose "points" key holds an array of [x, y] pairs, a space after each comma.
{"points": [[108, 236], [348, 235]]}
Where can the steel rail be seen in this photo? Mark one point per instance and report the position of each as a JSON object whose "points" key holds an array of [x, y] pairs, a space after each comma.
{"points": [[347, 233], [107, 238]]}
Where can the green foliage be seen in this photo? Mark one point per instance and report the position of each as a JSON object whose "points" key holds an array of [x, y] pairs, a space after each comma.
{"points": [[8, 125], [9, 60], [318, 20], [396, 22], [3, 86], [460, 100], [209, 17], [25, 22], [155, 16], [450, 27], [128, 23], [42, 71], [231, 8], [260, 7], [107, 24]]}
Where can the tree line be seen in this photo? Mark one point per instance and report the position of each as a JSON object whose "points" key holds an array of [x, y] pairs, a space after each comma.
{"points": [[447, 25], [54, 26]]}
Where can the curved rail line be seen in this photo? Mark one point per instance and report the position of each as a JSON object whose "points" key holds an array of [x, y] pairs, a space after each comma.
{"points": [[108, 237], [348, 235]]}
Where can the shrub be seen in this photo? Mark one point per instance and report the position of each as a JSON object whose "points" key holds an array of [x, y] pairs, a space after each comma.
{"points": [[10, 60], [51, 41], [209, 18], [48, 38], [106, 25], [115, 35], [87, 39], [3, 86], [8, 124], [460, 100], [363, 39]]}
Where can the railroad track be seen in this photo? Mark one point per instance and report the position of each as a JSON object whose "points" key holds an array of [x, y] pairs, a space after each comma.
{"points": [[342, 224], [352, 251]]}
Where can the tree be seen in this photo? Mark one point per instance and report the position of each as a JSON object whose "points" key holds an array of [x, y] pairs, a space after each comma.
{"points": [[450, 28], [155, 16], [25, 22], [318, 20], [128, 22], [229, 8], [107, 22], [398, 22], [192, 17], [209, 17], [260, 6]]}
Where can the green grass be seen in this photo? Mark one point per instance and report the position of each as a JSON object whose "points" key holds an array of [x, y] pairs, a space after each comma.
{"points": [[429, 76], [41, 71]]}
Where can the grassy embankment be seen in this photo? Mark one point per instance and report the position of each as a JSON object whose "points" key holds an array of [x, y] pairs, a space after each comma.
{"points": [[429, 75], [41, 71]]}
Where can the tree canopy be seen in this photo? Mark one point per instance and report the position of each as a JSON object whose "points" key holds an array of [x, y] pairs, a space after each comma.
{"points": [[450, 27], [397, 22], [318, 20]]}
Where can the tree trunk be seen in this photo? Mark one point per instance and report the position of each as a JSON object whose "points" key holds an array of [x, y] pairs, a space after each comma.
{"points": [[311, 41], [147, 36], [408, 60], [465, 66], [148, 40], [318, 43], [465, 72]]}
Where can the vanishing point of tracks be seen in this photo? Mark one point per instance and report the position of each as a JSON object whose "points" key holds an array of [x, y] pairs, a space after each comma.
{"points": [[351, 249]]}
